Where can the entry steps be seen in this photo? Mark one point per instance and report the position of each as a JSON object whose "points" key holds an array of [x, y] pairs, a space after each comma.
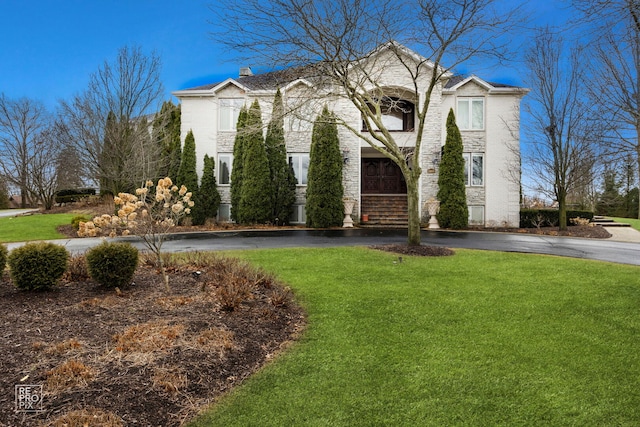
{"points": [[608, 222]]}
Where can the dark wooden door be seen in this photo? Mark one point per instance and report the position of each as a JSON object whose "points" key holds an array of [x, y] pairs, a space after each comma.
{"points": [[382, 176]]}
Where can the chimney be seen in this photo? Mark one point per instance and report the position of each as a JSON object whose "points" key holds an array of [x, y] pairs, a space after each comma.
{"points": [[245, 72]]}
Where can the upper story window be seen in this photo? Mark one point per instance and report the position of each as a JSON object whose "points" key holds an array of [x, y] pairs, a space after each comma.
{"points": [[224, 168], [470, 113], [300, 165], [398, 115], [229, 111]]}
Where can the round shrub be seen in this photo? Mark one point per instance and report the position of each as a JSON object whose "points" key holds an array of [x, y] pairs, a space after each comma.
{"points": [[37, 266], [112, 264], [76, 220], [3, 258]]}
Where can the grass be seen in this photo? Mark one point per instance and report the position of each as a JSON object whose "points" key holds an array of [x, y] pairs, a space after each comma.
{"points": [[635, 223], [480, 338], [32, 227]]}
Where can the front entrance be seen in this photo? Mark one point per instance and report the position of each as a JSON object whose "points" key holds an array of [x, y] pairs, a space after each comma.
{"points": [[382, 176]]}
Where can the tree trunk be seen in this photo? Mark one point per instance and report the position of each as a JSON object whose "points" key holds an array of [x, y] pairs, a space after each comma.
{"points": [[562, 210], [413, 206]]}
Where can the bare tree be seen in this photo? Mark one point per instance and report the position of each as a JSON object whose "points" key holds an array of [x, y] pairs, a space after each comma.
{"points": [[336, 42], [108, 122], [22, 124], [613, 27], [563, 150]]}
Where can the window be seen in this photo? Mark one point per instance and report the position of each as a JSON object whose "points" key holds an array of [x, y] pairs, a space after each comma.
{"points": [[224, 212], [300, 165], [397, 114], [229, 111], [470, 113], [473, 169], [224, 168], [476, 215], [299, 215]]}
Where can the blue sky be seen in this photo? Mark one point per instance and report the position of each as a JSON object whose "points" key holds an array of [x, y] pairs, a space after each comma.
{"points": [[50, 47]]}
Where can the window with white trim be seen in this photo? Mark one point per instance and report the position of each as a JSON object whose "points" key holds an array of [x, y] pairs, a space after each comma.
{"points": [[470, 114], [300, 165], [229, 112], [476, 215], [473, 169], [225, 161]]}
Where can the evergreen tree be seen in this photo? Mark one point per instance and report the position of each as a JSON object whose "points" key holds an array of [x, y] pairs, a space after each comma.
{"points": [[282, 176], [325, 207], [166, 133], [256, 193], [187, 174], [236, 169], [208, 199], [451, 193]]}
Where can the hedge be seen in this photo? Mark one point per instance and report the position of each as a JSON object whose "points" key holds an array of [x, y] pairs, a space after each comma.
{"points": [[532, 218]]}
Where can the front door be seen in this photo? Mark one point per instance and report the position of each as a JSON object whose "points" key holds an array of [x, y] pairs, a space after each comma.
{"points": [[382, 176]]}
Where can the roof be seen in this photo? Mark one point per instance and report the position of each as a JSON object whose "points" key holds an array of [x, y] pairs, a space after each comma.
{"points": [[270, 81]]}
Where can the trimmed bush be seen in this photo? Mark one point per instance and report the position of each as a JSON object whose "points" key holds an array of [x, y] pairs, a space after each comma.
{"points": [[73, 195], [112, 264], [532, 218], [76, 220], [37, 266], [3, 258]]}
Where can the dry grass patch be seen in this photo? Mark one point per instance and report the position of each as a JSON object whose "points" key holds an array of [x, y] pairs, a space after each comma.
{"points": [[174, 302], [170, 380], [89, 417], [148, 337], [72, 373], [63, 346]]}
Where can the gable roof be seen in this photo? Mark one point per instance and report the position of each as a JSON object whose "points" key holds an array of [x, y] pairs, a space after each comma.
{"points": [[457, 81]]}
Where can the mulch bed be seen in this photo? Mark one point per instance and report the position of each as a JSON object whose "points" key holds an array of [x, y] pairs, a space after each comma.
{"points": [[142, 355]]}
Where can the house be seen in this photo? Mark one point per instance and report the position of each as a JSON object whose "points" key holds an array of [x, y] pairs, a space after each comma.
{"points": [[487, 115]]}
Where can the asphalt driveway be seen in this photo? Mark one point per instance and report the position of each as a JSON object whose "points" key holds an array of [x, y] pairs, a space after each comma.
{"points": [[595, 249]]}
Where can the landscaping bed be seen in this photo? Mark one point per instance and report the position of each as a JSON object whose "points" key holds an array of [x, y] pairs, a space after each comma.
{"points": [[141, 355]]}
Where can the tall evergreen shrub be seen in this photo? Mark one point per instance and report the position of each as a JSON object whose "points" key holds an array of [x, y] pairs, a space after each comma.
{"points": [[281, 173], [256, 192], [236, 169], [166, 133], [452, 193], [324, 206], [208, 198], [187, 174]]}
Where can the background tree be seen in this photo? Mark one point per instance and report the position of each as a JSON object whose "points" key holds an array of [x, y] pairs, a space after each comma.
{"points": [[256, 195], [4, 195], [23, 123], [562, 154], [335, 40], [282, 176], [237, 167], [187, 174], [129, 88], [166, 133], [208, 199], [325, 207], [613, 31], [451, 181], [610, 202]]}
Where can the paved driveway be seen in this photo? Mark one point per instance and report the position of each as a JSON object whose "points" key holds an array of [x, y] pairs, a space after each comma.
{"points": [[596, 249]]}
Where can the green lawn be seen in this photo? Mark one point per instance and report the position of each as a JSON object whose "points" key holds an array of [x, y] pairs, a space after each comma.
{"points": [[635, 223], [479, 339], [32, 227]]}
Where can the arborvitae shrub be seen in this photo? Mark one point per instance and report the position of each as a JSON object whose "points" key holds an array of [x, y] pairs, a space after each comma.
{"points": [[76, 220], [3, 258], [112, 264], [37, 266]]}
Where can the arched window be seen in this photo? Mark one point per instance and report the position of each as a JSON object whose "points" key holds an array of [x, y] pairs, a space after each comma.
{"points": [[397, 114]]}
